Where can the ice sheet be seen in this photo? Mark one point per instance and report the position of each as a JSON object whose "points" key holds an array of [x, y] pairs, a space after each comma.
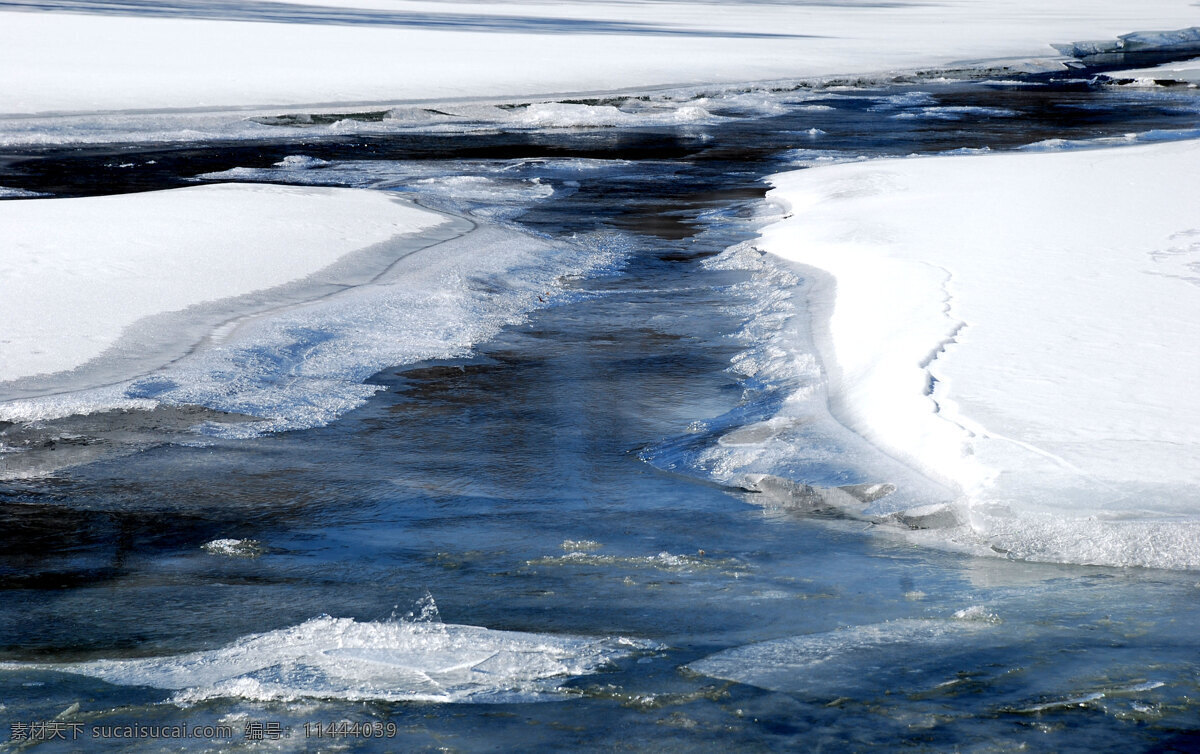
{"points": [[71, 62], [1024, 328]]}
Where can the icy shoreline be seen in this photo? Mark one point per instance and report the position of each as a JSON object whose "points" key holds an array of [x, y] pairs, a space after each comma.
{"points": [[994, 324], [233, 310], [219, 78]]}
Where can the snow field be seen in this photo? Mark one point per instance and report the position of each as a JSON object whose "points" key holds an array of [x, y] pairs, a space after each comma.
{"points": [[71, 62], [1022, 327], [80, 272]]}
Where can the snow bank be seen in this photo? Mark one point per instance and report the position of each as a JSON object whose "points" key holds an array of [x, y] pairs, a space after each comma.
{"points": [[80, 272], [60, 61], [1023, 327]]}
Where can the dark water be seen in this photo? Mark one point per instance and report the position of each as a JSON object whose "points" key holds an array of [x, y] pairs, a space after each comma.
{"points": [[509, 487]]}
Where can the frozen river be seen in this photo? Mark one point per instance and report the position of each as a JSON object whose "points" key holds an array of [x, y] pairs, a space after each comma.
{"points": [[527, 548]]}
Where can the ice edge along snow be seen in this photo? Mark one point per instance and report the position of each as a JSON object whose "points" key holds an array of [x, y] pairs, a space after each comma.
{"points": [[289, 357], [993, 323]]}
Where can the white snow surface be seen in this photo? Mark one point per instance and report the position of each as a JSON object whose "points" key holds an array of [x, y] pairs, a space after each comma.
{"points": [[71, 62], [1023, 327], [79, 272], [163, 299]]}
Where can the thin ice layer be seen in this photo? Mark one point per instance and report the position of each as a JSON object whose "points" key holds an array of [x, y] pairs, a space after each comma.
{"points": [[80, 272], [901, 652], [340, 658], [1023, 327]]}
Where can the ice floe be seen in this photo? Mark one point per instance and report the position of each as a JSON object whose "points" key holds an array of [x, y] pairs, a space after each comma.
{"points": [[830, 663], [1187, 72], [234, 548], [1139, 47], [345, 659]]}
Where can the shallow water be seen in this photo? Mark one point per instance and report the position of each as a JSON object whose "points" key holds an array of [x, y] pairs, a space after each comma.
{"points": [[554, 482]]}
